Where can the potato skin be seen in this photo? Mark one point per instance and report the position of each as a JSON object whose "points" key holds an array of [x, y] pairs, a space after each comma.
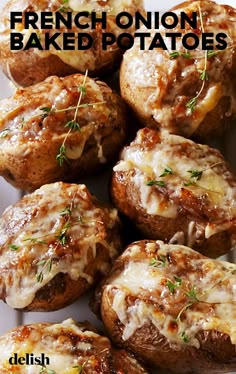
{"points": [[55, 243], [27, 67], [33, 137], [215, 352], [76, 344], [159, 87], [167, 212]]}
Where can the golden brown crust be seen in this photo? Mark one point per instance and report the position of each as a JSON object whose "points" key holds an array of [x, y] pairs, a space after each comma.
{"points": [[55, 244], [27, 67], [69, 347], [159, 88], [134, 198], [33, 139], [214, 353]]}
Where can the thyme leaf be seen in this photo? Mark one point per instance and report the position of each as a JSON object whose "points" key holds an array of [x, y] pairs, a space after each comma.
{"points": [[196, 174], [212, 53], [158, 261], [172, 286], [204, 76], [61, 156], [155, 183], [191, 104], [167, 171], [13, 247], [176, 54], [4, 133], [184, 337], [73, 125]]}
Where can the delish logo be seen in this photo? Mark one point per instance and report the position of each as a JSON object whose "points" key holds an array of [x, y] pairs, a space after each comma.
{"points": [[29, 359]]}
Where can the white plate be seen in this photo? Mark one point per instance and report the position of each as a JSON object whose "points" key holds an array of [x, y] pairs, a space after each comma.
{"points": [[80, 310]]}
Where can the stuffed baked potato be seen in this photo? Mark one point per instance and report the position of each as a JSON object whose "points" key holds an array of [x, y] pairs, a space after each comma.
{"points": [[27, 67], [172, 307], [59, 129], [72, 348], [178, 191], [187, 92], [54, 244]]}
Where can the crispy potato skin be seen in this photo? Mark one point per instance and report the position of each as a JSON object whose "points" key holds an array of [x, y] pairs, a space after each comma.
{"points": [[69, 266], [216, 353], [27, 67], [28, 152], [70, 339], [192, 205], [158, 87]]}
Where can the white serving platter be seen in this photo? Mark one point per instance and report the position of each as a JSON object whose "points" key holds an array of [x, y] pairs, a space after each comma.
{"points": [[80, 311]]}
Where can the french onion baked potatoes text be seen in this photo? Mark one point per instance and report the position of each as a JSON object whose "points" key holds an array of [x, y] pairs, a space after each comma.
{"points": [[176, 190], [54, 244], [70, 347], [59, 129], [27, 67], [187, 92], [172, 307]]}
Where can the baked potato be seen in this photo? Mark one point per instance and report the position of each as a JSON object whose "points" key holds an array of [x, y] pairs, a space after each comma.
{"points": [[178, 191], [187, 92], [54, 245], [172, 307], [27, 67], [71, 348], [59, 129]]}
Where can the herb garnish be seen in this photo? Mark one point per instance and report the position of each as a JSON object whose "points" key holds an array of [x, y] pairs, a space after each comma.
{"points": [[61, 239], [160, 261], [80, 367], [173, 285], [155, 183], [167, 171], [176, 54], [45, 370], [13, 247], [4, 133], [72, 125], [196, 175], [204, 76], [212, 53], [184, 337]]}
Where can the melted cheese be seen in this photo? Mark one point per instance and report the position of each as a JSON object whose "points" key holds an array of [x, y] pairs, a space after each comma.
{"points": [[215, 288], [216, 184], [18, 280], [53, 342], [78, 59], [166, 84]]}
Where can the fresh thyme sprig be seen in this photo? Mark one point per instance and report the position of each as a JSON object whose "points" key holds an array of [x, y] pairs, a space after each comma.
{"points": [[196, 175], [204, 76], [62, 239], [155, 183], [176, 54], [80, 368], [160, 261], [173, 285], [184, 337], [167, 171], [191, 293], [72, 125], [13, 247]]}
